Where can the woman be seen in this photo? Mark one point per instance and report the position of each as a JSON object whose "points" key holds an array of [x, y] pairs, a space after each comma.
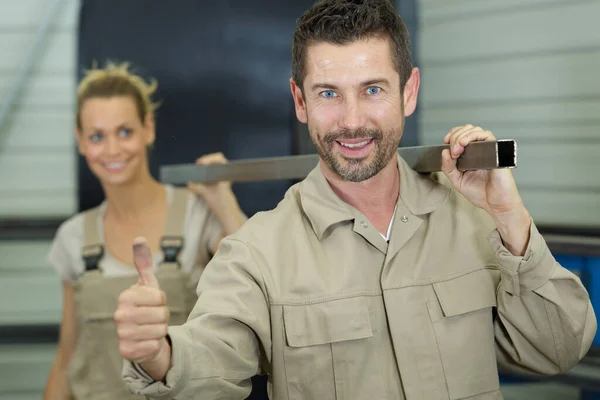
{"points": [[92, 250]]}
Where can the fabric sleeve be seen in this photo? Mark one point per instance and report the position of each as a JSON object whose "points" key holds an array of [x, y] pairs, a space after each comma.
{"points": [[65, 249], [216, 352], [546, 323]]}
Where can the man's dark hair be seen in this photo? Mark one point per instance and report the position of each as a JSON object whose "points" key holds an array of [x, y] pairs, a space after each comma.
{"points": [[345, 21]]}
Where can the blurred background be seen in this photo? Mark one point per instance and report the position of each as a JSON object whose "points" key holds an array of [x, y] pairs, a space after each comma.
{"points": [[524, 69]]}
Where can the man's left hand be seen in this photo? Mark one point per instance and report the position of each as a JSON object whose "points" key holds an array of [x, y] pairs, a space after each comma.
{"points": [[493, 190]]}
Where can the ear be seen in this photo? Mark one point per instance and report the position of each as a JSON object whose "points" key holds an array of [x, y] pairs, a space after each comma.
{"points": [[150, 131], [299, 103], [411, 90], [79, 139]]}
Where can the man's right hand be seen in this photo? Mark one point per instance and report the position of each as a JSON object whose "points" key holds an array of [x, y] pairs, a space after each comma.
{"points": [[142, 318]]}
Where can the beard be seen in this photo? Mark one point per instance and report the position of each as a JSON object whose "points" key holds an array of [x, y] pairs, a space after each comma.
{"points": [[358, 169]]}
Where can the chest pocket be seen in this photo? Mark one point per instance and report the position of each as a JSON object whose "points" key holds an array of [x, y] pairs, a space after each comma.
{"points": [[330, 351], [462, 319]]}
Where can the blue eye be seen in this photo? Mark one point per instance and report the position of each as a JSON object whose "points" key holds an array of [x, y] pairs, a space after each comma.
{"points": [[96, 137], [373, 90], [125, 132], [328, 94]]}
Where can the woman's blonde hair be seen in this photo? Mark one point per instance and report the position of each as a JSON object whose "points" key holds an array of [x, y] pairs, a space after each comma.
{"points": [[116, 80]]}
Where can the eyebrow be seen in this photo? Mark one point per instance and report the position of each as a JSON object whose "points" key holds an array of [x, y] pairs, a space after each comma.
{"points": [[378, 81], [323, 86], [370, 82], [124, 125]]}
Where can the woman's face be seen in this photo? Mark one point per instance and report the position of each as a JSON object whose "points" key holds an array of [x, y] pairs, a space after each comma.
{"points": [[114, 140]]}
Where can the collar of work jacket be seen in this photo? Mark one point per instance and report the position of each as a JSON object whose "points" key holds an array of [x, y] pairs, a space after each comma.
{"points": [[419, 193]]}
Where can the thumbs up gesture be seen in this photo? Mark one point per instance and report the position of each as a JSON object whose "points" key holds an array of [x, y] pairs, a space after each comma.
{"points": [[142, 317]]}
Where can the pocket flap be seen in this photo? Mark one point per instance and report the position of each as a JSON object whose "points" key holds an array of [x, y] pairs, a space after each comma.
{"points": [[470, 292], [98, 296], [328, 322]]}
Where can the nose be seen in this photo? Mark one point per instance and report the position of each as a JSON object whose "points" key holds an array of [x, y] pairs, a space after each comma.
{"points": [[113, 147], [353, 117]]}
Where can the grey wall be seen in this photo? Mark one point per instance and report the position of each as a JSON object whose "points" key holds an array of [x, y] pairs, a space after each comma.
{"points": [[40, 128], [526, 70], [408, 10], [37, 180]]}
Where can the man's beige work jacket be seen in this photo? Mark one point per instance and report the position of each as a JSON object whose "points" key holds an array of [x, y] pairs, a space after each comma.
{"points": [[312, 294]]}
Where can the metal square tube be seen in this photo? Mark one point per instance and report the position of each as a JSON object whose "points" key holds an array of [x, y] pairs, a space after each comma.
{"points": [[424, 159]]}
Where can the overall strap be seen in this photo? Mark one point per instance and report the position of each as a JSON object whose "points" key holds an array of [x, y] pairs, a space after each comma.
{"points": [[172, 241], [93, 247]]}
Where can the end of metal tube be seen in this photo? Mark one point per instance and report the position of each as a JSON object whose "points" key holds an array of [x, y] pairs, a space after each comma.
{"points": [[507, 154]]}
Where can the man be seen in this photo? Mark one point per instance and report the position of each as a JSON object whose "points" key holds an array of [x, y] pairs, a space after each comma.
{"points": [[368, 281]]}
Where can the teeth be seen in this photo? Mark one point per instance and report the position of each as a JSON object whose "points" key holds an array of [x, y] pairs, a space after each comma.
{"points": [[355, 145], [115, 165]]}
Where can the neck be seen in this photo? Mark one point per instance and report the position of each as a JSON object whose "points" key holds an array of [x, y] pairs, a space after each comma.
{"points": [[375, 197], [129, 201]]}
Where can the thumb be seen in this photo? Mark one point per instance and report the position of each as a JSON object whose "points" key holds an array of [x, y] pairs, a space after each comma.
{"points": [[142, 258], [449, 168]]}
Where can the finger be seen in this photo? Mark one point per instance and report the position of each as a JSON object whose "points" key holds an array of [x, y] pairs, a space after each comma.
{"points": [[142, 258], [475, 136], [458, 133], [141, 315], [449, 167], [139, 351], [456, 141], [454, 130], [141, 332], [143, 296], [215, 158]]}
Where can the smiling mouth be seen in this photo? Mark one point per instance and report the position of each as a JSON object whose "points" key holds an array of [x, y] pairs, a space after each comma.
{"points": [[115, 165], [355, 148], [353, 144]]}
